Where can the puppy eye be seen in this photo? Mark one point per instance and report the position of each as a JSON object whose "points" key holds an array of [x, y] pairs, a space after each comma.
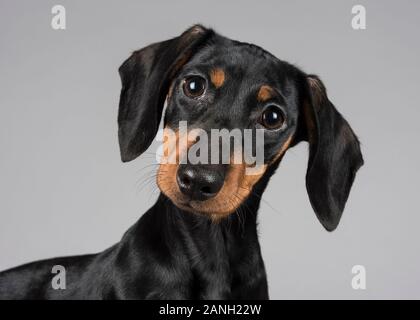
{"points": [[194, 86], [272, 117]]}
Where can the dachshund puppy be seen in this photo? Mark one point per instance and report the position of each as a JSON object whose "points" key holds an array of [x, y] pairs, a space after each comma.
{"points": [[193, 244]]}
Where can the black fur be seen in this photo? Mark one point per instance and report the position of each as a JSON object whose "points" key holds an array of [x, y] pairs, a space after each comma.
{"points": [[173, 254]]}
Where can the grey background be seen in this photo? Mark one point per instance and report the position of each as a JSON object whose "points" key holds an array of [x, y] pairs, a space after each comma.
{"points": [[63, 189]]}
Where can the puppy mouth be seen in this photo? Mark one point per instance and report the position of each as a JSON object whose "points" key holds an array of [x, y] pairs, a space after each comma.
{"points": [[201, 207], [191, 205], [184, 204]]}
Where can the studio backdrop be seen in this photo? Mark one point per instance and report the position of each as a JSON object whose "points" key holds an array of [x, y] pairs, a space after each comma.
{"points": [[64, 190]]}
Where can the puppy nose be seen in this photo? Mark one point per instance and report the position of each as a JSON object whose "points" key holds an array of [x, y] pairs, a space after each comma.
{"points": [[199, 182]]}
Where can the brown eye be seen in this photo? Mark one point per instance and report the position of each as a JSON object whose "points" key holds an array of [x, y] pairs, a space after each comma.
{"points": [[194, 86], [272, 117]]}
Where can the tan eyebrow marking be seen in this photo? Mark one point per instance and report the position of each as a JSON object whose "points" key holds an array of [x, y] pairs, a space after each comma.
{"points": [[265, 93], [217, 77]]}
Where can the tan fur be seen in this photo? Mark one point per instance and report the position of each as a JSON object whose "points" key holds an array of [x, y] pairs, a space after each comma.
{"points": [[217, 77], [265, 93]]}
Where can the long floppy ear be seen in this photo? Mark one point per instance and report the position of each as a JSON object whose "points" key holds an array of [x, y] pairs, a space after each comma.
{"points": [[145, 77], [334, 155]]}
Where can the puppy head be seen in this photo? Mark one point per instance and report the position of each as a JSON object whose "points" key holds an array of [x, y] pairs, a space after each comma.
{"points": [[213, 83]]}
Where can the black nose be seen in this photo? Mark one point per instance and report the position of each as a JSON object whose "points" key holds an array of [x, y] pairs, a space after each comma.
{"points": [[200, 182]]}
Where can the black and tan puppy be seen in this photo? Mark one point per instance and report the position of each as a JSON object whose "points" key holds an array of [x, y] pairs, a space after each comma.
{"points": [[190, 244]]}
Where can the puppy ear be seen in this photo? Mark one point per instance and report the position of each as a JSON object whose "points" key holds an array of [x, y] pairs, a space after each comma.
{"points": [[145, 77], [334, 155]]}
